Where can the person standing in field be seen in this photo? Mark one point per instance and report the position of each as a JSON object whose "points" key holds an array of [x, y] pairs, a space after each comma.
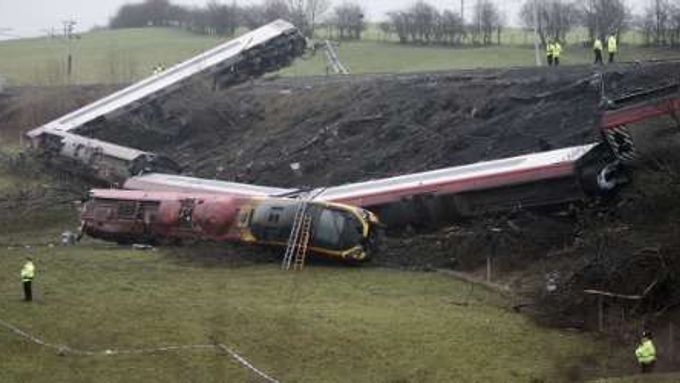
{"points": [[597, 49], [646, 353], [27, 275], [549, 52], [556, 51], [612, 47]]}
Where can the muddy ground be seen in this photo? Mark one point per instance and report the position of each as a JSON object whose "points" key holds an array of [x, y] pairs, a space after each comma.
{"points": [[357, 128]]}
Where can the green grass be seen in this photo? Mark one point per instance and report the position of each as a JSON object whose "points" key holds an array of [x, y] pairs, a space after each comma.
{"points": [[103, 56], [330, 324], [127, 55], [374, 57]]}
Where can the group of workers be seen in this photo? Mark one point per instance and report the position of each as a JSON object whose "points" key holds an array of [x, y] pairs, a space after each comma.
{"points": [[612, 48], [553, 50], [158, 69]]}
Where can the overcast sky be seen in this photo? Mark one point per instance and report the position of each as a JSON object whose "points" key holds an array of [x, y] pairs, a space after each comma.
{"points": [[27, 18]]}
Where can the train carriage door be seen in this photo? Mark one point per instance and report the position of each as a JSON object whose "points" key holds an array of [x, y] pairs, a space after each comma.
{"points": [[186, 212]]}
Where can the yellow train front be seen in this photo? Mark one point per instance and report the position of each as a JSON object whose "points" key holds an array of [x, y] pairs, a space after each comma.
{"points": [[338, 231]]}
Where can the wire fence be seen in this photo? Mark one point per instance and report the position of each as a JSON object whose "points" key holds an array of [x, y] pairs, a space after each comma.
{"points": [[67, 350]]}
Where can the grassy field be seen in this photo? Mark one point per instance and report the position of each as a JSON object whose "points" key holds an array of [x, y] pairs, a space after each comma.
{"points": [[128, 55], [330, 324], [102, 56], [375, 57]]}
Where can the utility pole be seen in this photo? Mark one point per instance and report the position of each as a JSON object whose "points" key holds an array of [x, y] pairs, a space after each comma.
{"points": [[462, 10], [536, 44], [479, 17], [69, 27]]}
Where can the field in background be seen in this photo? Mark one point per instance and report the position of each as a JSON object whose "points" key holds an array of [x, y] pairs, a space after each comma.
{"points": [[127, 55], [98, 57]]}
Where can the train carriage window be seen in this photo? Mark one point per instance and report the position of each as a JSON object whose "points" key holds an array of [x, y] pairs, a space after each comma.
{"points": [[275, 215], [126, 209], [329, 228]]}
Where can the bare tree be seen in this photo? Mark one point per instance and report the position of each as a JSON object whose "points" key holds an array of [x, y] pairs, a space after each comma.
{"points": [[386, 28], [450, 28], [657, 22], [257, 15], [675, 26], [660, 23], [402, 25], [275, 9], [488, 20], [348, 19], [424, 18], [305, 14], [424, 24], [555, 18], [603, 17]]}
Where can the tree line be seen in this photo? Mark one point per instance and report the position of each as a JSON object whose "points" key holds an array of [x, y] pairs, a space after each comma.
{"points": [[659, 24], [224, 19], [421, 23]]}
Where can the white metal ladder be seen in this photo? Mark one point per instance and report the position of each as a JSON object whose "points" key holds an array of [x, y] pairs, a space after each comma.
{"points": [[298, 240]]}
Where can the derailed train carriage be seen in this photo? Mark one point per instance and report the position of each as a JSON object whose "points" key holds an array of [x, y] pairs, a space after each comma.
{"points": [[339, 231], [344, 223], [103, 162]]}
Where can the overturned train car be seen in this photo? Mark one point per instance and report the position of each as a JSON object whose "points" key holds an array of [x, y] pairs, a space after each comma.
{"points": [[338, 231], [100, 161]]}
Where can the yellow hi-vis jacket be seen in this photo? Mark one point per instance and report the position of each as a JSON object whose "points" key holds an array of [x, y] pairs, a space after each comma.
{"points": [[28, 272], [557, 49], [597, 46], [611, 44], [646, 352], [549, 49]]}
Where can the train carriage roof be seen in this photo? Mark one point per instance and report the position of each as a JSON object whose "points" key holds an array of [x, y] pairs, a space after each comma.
{"points": [[169, 182]]}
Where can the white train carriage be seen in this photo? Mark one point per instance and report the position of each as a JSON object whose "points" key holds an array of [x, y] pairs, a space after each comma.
{"points": [[102, 160]]}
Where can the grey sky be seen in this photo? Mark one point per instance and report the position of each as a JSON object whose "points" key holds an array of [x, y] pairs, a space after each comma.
{"points": [[28, 18]]}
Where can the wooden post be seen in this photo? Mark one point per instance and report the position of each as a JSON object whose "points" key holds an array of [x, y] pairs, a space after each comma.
{"points": [[488, 269]]}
